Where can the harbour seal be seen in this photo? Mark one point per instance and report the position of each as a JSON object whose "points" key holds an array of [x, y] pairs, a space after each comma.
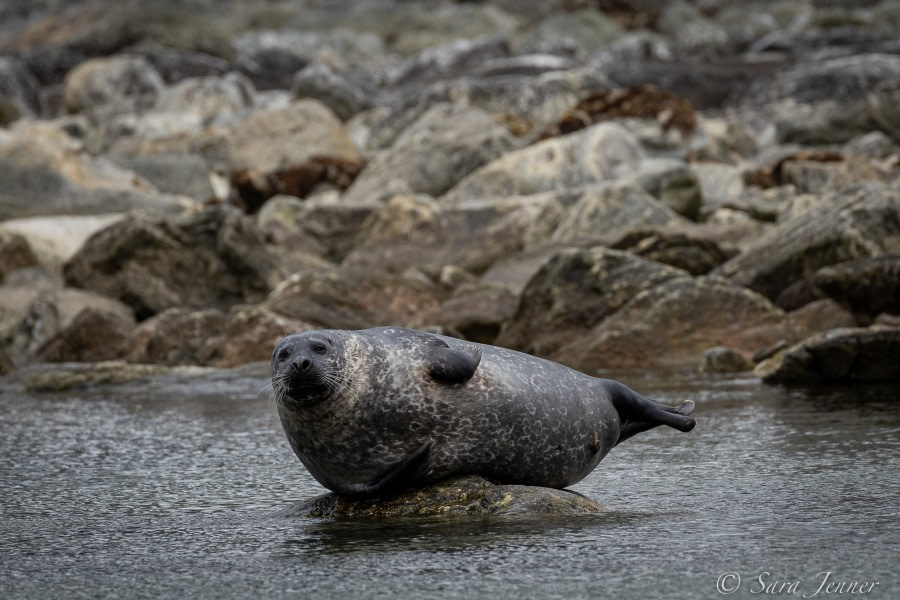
{"points": [[375, 411]]}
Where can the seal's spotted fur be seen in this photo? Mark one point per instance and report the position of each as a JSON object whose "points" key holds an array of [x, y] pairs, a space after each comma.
{"points": [[371, 411]]}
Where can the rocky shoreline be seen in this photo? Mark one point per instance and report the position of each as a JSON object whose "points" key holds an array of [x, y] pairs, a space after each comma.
{"points": [[710, 185]]}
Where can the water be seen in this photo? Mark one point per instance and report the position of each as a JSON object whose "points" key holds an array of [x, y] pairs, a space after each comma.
{"points": [[169, 489]]}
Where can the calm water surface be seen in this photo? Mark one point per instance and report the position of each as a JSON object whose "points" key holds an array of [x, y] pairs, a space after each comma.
{"points": [[168, 489]]}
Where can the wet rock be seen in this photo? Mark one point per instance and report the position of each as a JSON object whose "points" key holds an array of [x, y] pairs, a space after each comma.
{"points": [[20, 92], [45, 172], [470, 495], [345, 91], [70, 376], [602, 210], [672, 324], [835, 99], [722, 359], [416, 231], [859, 222], [575, 290], [600, 152], [209, 337], [355, 298], [444, 145], [213, 259], [851, 354], [93, 335], [868, 286], [121, 84], [476, 311], [15, 253]]}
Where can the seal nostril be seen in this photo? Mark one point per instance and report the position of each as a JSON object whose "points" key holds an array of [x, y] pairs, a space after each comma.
{"points": [[305, 364]]}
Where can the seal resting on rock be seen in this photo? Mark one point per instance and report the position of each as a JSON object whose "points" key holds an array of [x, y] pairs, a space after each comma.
{"points": [[375, 411]]}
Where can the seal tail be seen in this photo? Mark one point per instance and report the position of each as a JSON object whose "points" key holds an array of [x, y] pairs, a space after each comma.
{"points": [[639, 413]]}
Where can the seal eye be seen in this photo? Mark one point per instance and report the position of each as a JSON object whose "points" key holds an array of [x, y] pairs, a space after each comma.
{"points": [[284, 354], [318, 348]]}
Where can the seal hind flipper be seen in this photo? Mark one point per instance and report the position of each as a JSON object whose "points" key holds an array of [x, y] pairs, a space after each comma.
{"points": [[639, 413], [452, 365], [406, 473]]}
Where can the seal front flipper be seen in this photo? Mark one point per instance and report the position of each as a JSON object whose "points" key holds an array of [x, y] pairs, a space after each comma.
{"points": [[452, 365], [406, 473], [639, 413]]}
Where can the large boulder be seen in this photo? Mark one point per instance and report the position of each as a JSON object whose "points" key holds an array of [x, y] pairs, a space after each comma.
{"points": [[575, 290], [119, 84], [416, 231], [672, 324], [869, 286], [56, 239], [355, 298], [469, 495], [43, 171], [851, 354], [860, 222], [593, 155], [210, 337], [443, 146], [212, 259]]}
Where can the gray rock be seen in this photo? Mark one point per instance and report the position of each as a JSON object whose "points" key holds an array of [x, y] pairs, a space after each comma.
{"points": [[672, 324], [852, 354], [602, 210], [691, 249], [860, 222], [355, 298], [20, 91], [868, 285], [476, 311], [722, 359], [470, 495], [178, 174], [587, 29], [448, 61], [575, 290], [93, 335], [54, 240], [601, 152], [212, 99], [15, 253], [62, 377], [671, 182], [444, 145], [118, 84], [213, 259], [346, 92], [833, 100], [418, 232]]}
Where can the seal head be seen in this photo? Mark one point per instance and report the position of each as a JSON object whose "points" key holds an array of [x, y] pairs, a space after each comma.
{"points": [[307, 368]]}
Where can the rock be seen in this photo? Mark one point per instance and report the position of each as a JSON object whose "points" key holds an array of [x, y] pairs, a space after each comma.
{"points": [[345, 91], [54, 240], [448, 61], [722, 359], [354, 298], [178, 174], [31, 317], [48, 173], [595, 154], [818, 315], [213, 259], [529, 65], [210, 337], [851, 354], [859, 222], [120, 84], [672, 324], [93, 335], [832, 100], [602, 210], [587, 29], [469, 495], [63, 377], [15, 253], [434, 153], [689, 27], [20, 91], [671, 182], [212, 99], [6, 363], [274, 139], [476, 311], [416, 231], [690, 249], [575, 290], [868, 286], [175, 65]]}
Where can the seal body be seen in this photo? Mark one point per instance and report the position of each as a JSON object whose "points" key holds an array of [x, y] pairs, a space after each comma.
{"points": [[374, 411]]}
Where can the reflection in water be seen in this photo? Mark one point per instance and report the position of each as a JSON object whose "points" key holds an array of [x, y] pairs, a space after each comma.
{"points": [[170, 489]]}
